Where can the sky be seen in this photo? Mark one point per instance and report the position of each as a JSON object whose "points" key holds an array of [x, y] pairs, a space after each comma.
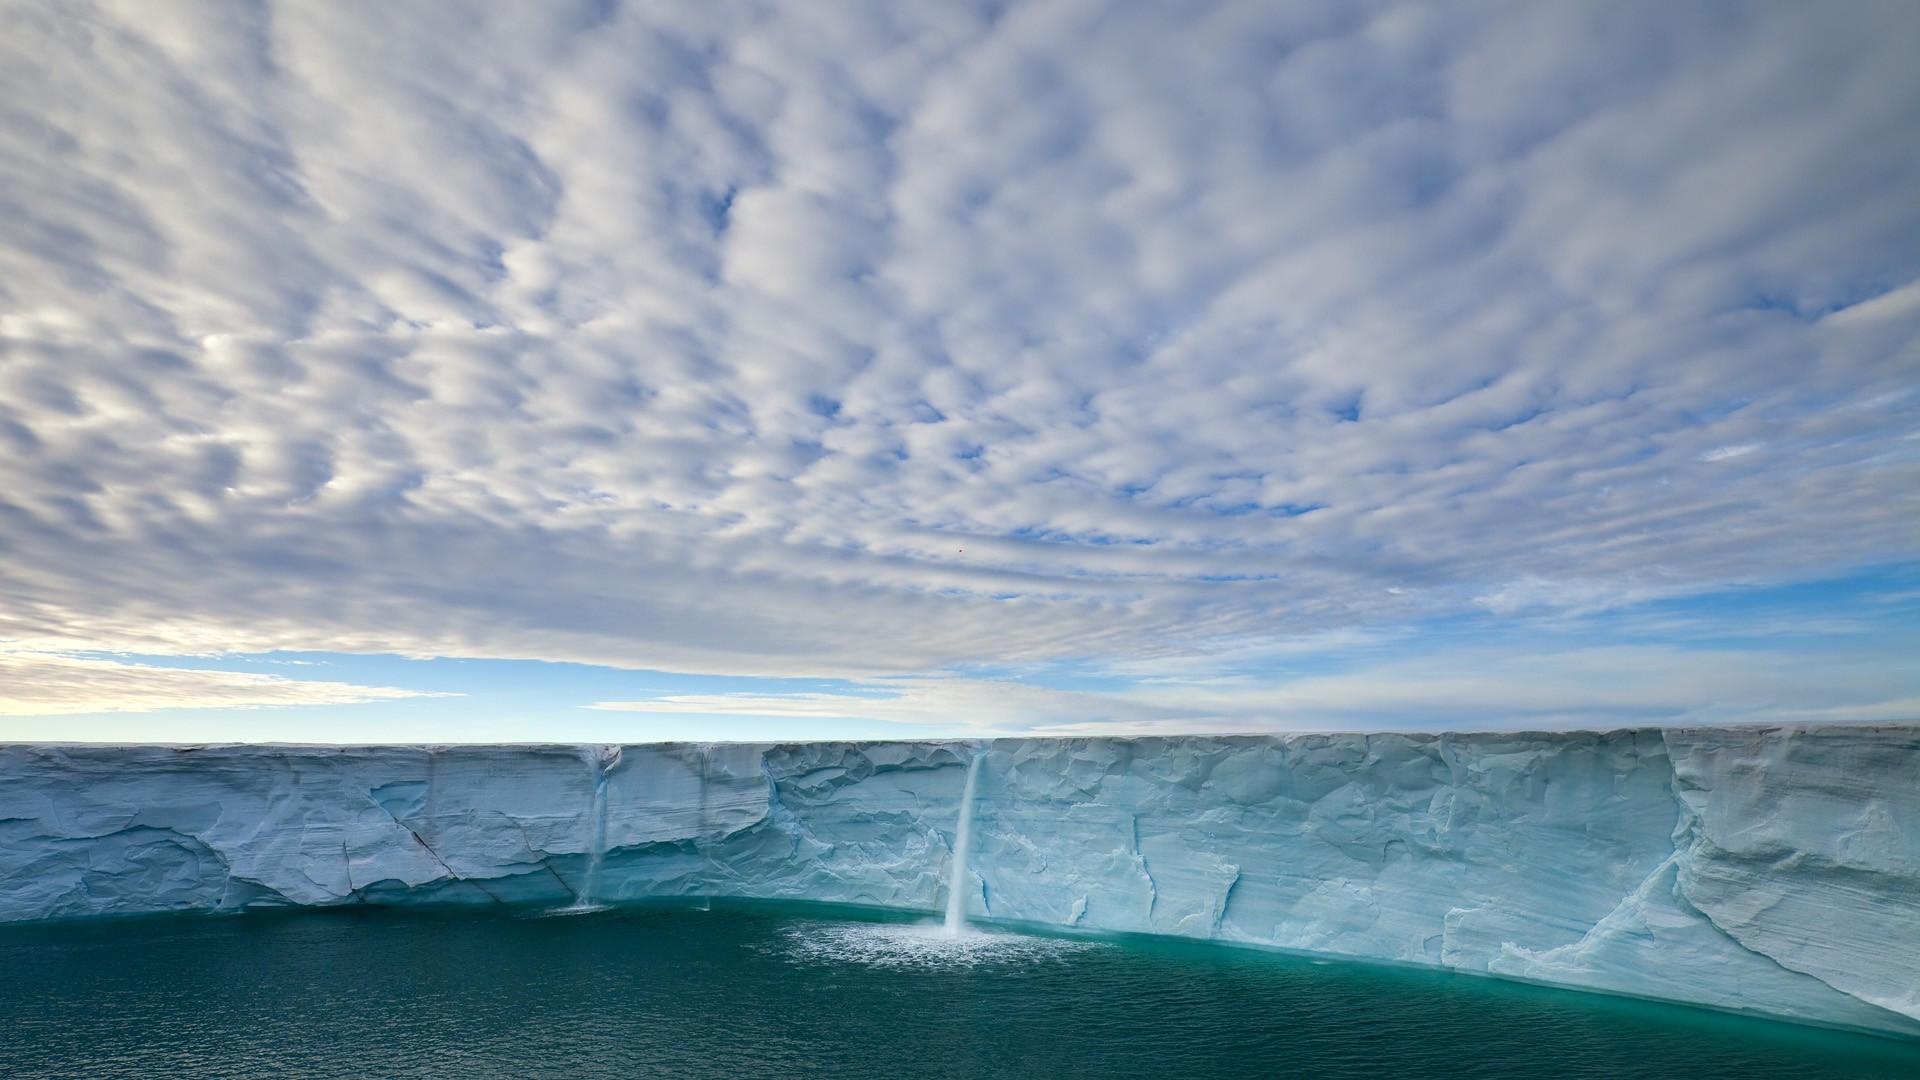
{"points": [[628, 371]]}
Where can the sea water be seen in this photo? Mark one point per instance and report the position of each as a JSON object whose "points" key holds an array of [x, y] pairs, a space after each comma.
{"points": [[743, 991]]}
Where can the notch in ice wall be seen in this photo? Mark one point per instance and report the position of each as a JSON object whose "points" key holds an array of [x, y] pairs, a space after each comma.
{"points": [[1770, 870]]}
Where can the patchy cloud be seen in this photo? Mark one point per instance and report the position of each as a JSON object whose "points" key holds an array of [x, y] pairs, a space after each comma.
{"points": [[880, 339]]}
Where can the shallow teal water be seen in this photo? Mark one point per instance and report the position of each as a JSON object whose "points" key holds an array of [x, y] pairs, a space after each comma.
{"points": [[804, 993]]}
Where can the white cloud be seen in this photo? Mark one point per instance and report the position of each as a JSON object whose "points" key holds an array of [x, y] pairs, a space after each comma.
{"points": [[1448, 687], [50, 684], [946, 703], [887, 338]]}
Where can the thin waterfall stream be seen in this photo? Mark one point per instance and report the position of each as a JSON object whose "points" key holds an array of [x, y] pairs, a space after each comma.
{"points": [[956, 923], [602, 759]]}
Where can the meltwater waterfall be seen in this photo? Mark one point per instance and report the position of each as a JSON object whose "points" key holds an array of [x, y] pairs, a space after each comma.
{"points": [[962, 841], [602, 759], [1645, 861]]}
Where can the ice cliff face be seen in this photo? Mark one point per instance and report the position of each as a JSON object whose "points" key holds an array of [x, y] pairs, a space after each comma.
{"points": [[1770, 870]]}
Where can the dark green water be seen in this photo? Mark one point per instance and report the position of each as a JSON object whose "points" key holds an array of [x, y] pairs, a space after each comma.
{"points": [[743, 992]]}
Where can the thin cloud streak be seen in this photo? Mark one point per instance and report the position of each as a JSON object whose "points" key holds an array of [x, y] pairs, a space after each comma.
{"points": [[49, 684], [1446, 688]]}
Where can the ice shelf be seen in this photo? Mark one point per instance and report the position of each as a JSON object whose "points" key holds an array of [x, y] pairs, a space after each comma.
{"points": [[1772, 870]]}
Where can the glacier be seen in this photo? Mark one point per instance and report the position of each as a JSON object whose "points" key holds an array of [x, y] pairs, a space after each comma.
{"points": [[1769, 870]]}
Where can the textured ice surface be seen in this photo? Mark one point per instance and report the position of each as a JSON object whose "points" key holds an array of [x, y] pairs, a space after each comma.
{"points": [[1771, 870]]}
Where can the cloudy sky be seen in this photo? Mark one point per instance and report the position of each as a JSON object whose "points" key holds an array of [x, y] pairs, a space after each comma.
{"points": [[730, 370]]}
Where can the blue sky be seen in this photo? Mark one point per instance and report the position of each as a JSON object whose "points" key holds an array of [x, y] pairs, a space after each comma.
{"points": [[622, 371], [1833, 650]]}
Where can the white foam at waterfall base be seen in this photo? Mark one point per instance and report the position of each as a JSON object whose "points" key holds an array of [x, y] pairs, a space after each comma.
{"points": [[926, 946], [575, 908]]}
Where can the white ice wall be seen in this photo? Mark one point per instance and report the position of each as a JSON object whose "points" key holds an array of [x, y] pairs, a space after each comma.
{"points": [[1771, 870]]}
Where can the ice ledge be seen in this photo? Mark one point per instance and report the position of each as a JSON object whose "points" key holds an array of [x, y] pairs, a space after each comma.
{"points": [[1773, 870]]}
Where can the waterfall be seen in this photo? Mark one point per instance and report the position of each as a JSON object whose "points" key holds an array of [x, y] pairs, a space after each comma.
{"points": [[602, 759], [962, 843]]}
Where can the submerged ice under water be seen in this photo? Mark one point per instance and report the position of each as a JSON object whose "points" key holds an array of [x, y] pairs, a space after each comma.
{"points": [[784, 991]]}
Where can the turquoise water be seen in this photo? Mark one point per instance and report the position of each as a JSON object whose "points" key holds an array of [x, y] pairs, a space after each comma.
{"points": [[756, 991]]}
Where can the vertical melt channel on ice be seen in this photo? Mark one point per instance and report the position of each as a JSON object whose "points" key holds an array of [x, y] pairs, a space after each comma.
{"points": [[601, 759], [703, 841], [962, 843]]}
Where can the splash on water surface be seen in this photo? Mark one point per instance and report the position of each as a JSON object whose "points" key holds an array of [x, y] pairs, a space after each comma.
{"points": [[919, 945]]}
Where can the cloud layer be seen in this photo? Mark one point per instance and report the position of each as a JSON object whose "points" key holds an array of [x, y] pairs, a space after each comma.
{"points": [[1553, 685], [44, 684], [876, 339]]}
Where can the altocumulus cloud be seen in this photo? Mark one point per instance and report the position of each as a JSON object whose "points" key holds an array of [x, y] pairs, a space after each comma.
{"points": [[873, 339]]}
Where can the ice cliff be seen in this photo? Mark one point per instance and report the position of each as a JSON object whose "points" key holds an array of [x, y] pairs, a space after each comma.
{"points": [[1762, 869]]}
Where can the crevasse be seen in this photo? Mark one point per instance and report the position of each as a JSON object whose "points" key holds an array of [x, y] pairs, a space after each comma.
{"points": [[1772, 870]]}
